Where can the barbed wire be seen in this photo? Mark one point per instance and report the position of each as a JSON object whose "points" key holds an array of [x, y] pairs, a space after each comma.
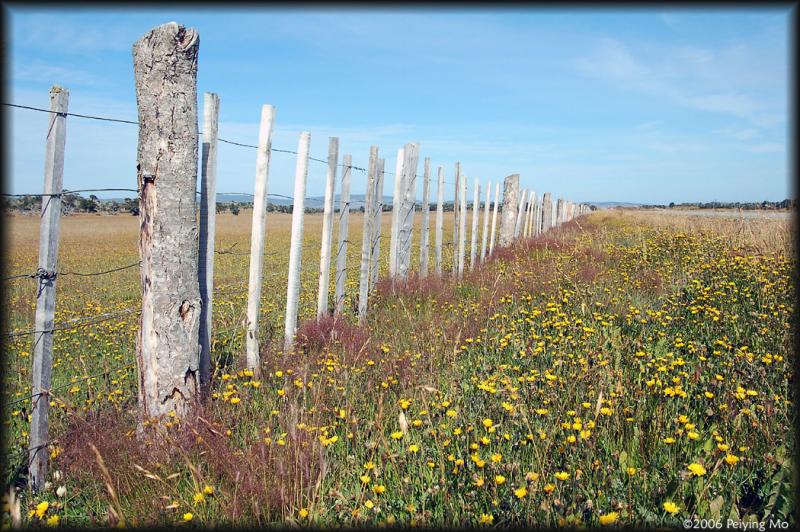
{"points": [[105, 317], [40, 273]]}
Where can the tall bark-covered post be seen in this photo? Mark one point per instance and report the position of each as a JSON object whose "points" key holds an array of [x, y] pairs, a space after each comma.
{"points": [[407, 208], [462, 227], [208, 217], [531, 209], [46, 294], [426, 216], [327, 230], [397, 199], [377, 202], [366, 235], [476, 212], [257, 230], [168, 350], [509, 219], [456, 221], [494, 218], [439, 221], [296, 246], [520, 212], [547, 208], [341, 250], [485, 231]]}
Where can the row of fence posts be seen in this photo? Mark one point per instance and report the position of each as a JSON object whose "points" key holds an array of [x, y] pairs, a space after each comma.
{"points": [[177, 257]]}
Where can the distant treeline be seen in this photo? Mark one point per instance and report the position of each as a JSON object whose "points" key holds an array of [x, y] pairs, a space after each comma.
{"points": [[75, 203], [745, 206]]}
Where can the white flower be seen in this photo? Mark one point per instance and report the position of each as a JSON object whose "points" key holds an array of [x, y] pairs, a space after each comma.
{"points": [[61, 491]]}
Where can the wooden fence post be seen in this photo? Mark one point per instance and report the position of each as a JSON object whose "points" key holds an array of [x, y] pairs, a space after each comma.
{"points": [[377, 203], [208, 218], [366, 236], [396, 201], [547, 208], [46, 293], [426, 215], [344, 216], [296, 248], [456, 221], [537, 218], [520, 212], [327, 230], [508, 221], [494, 218], [462, 227], [439, 220], [531, 208], [486, 209], [476, 212], [407, 208], [559, 211], [257, 231], [168, 348]]}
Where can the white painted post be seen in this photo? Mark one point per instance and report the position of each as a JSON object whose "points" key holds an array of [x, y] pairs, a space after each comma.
{"points": [[257, 231], [426, 215], [208, 218], [327, 230], [520, 212], [439, 221], [456, 222], [366, 235], [396, 200], [508, 221], [46, 294], [344, 218], [494, 218], [462, 227], [377, 202], [296, 246], [486, 209], [407, 209], [476, 212]]}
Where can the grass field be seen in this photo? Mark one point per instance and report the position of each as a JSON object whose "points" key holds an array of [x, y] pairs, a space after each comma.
{"points": [[623, 369]]}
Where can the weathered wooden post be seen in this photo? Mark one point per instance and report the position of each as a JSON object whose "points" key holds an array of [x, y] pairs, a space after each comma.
{"points": [[462, 227], [520, 212], [509, 219], [344, 218], [456, 222], [396, 201], [494, 217], [257, 230], [439, 220], [327, 230], [426, 215], [407, 208], [547, 208], [366, 235], [377, 202], [296, 245], [537, 218], [168, 350], [46, 293], [476, 211], [559, 211], [485, 232], [208, 217], [531, 209]]}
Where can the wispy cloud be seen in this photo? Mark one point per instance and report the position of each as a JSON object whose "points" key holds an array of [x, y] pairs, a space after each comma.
{"points": [[45, 73]]}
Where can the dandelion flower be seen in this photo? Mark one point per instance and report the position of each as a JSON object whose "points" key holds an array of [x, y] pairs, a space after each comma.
{"points": [[500, 480], [188, 516], [303, 512], [562, 475], [731, 459], [486, 519], [397, 435], [697, 469], [671, 507], [369, 504], [413, 448], [53, 520], [549, 487], [41, 509], [521, 492], [609, 519], [208, 490]]}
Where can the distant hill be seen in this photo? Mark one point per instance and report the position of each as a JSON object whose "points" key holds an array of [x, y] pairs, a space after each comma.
{"points": [[612, 204]]}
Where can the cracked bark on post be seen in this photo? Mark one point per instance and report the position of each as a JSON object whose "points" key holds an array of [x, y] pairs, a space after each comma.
{"points": [[509, 218], [167, 351], [405, 233]]}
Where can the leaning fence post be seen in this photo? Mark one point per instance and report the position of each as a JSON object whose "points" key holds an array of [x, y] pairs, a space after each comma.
{"points": [[341, 253], [296, 249], [366, 235], [396, 200], [46, 295], [257, 230], [494, 218], [476, 211], [208, 217], [327, 230], [168, 348], [486, 208], [407, 208], [426, 215], [439, 220], [508, 221], [456, 206], [462, 227], [377, 202]]}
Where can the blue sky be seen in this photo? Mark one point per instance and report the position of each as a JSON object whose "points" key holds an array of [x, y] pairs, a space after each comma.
{"points": [[644, 106]]}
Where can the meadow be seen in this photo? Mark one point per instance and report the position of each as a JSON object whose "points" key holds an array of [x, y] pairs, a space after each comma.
{"points": [[622, 369]]}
